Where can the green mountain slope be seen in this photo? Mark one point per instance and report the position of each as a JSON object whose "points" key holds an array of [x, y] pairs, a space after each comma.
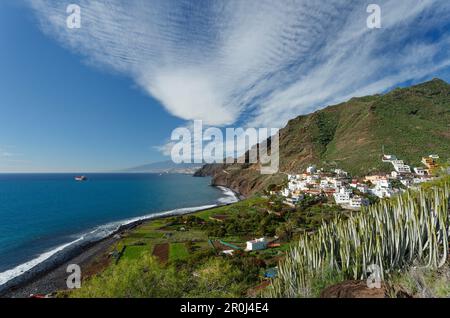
{"points": [[409, 122]]}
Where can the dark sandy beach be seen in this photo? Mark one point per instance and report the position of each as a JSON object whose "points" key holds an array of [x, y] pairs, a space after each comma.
{"points": [[55, 279]]}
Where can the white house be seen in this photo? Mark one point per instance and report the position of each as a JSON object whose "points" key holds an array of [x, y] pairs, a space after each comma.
{"points": [[421, 179], [357, 202], [406, 182], [381, 192], [400, 166], [419, 171], [382, 188], [324, 184], [403, 168], [311, 169], [312, 179], [285, 192], [340, 172], [383, 183], [257, 244], [388, 158], [337, 183], [395, 174], [363, 188], [293, 200], [342, 196]]}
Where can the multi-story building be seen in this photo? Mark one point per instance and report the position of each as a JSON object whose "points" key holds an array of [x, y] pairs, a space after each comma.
{"points": [[343, 196]]}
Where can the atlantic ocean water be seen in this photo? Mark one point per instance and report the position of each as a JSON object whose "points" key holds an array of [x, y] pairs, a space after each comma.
{"points": [[44, 214]]}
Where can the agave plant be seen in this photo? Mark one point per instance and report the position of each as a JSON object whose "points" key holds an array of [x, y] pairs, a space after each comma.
{"points": [[393, 234]]}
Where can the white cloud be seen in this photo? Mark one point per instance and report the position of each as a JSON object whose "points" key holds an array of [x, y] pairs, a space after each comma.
{"points": [[6, 154], [166, 148], [255, 62]]}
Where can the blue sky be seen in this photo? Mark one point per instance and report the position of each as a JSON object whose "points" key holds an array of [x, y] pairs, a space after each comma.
{"points": [[60, 114], [108, 95]]}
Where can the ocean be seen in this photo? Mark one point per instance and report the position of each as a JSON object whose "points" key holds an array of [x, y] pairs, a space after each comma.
{"points": [[43, 215]]}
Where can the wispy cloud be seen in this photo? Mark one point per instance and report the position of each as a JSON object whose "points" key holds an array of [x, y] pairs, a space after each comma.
{"points": [[255, 62], [166, 148], [9, 159], [6, 153]]}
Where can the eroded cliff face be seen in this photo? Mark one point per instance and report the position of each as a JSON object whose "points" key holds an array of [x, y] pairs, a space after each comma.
{"points": [[242, 178]]}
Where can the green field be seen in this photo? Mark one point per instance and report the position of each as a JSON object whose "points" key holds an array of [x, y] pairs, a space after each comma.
{"points": [[134, 252], [178, 251]]}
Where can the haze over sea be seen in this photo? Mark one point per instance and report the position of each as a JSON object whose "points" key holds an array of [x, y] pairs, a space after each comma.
{"points": [[40, 213]]}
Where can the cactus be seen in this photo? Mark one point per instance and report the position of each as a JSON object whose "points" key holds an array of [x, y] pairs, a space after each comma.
{"points": [[393, 234]]}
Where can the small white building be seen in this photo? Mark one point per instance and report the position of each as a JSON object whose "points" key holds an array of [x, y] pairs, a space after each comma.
{"points": [[324, 184], [257, 244], [340, 172], [382, 193], [342, 196], [395, 174], [421, 179], [363, 188], [357, 202], [419, 171], [383, 183], [312, 179], [400, 166], [389, 158], [292, 200], [406, 182], [311, 169], [382, 188], [337, 184]]}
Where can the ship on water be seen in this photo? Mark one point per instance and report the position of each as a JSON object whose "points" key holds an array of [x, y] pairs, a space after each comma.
{"points": [[80, 178]]}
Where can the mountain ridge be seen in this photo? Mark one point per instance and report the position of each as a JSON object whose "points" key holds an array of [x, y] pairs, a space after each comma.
{"points": [[409, 122]]}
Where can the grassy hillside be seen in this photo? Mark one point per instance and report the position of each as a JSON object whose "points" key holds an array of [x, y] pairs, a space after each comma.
{"points": [[409, 122]]}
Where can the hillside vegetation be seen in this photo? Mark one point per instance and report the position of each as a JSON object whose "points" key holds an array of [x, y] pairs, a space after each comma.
{"points": [[409, 122], [390, 237]]}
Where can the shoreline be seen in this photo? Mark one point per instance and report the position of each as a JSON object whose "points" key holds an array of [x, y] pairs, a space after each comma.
{"points": [[50, 275]]}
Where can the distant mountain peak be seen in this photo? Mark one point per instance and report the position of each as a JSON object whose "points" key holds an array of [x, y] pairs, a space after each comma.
{"points": [[167, 166]]}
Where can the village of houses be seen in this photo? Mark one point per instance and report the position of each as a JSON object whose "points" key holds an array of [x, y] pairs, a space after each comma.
{"points": [[351, 193]]}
